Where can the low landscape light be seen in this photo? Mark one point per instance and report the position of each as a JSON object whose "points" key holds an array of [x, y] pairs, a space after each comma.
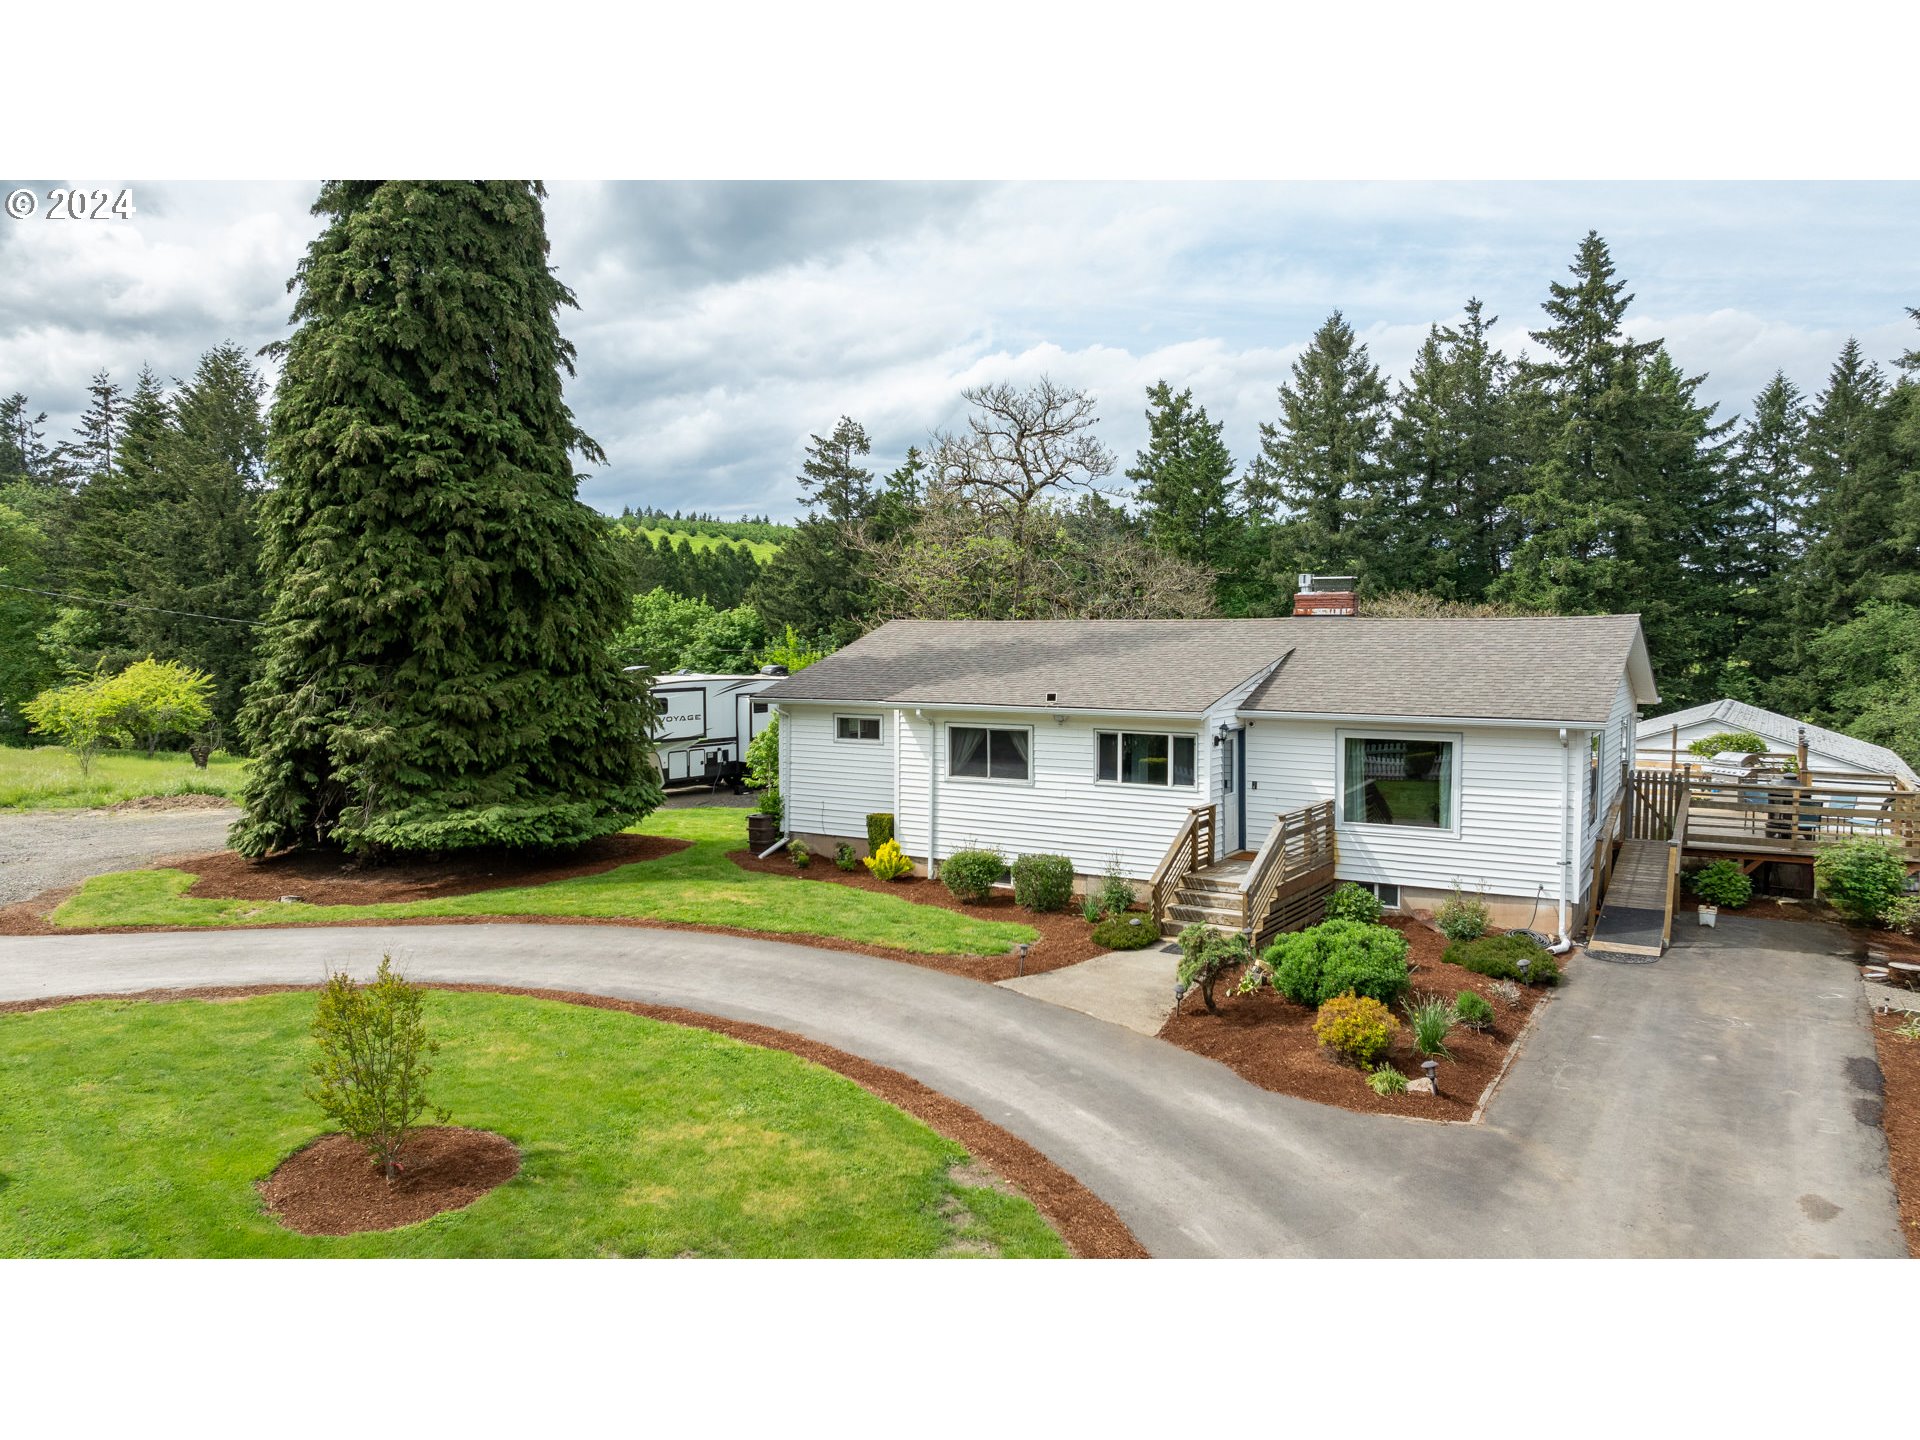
{"points": [[1432, 1067]]}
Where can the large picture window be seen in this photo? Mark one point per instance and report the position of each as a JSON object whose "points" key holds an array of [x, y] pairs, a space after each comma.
{"points": [[1395, 781], [976, 752], [1130, 758]]}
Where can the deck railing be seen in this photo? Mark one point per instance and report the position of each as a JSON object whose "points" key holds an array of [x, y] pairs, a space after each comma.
{"points": [[1192, 849], [1772, 815], [1293, 864]]}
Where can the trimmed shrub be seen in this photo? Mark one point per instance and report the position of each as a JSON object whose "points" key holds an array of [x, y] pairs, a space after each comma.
{"points": [[1460, 918], [1042, 883], [1472, 1009], [1385, 1080], [970, 875], [1431, 1018], [1743, 741], [1205, 956], [375, 1058], [1860, 876], [1125, 932], [1355, 1027], [1336, 957], [1722, 883], [879, 830], [1351, 902], [802, 856], [1499, 957], [844, 857], [888, 863], [1115, 891]]}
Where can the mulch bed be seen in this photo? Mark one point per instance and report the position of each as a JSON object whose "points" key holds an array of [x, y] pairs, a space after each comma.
{"points": [[1065, 937], [1085, 1222], [1900, 1116], [1268, 1040], [332, 1188]]}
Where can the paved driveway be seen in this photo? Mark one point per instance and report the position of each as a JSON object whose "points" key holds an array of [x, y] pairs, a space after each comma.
{"points": [[1599, 1146]]}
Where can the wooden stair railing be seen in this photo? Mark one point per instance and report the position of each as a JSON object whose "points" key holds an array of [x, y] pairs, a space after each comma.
{"points": [[1296, 857], [1192, 849]]}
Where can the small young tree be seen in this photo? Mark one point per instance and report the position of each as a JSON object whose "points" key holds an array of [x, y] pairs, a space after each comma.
{"points": [[82, 717], [153, 699], [370, 1075]]}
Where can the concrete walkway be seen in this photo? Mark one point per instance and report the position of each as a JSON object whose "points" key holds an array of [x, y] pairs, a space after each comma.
{"points": [[1615, 1135], [1133, 988]]}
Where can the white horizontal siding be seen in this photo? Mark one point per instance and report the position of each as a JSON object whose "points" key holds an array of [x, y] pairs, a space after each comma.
{"points": [[1510, 807], [1064, 811], [832, 785]]}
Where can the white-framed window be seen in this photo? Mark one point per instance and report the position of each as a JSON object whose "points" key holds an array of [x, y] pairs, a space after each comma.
{"points": [[990, 752], [1403, 779], [1385, 891], [1134, 757], [862, 729]]}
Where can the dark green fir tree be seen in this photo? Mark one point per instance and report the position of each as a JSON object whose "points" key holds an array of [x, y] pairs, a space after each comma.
{"points": [[438, 673], [1186, 491]]}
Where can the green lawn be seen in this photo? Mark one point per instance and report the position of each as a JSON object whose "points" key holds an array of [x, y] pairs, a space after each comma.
{"points": [[49, 778], [697, 886], [133, 1128]]}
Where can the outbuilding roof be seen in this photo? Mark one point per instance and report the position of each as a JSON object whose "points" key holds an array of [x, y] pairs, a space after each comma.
{"points": [[1860, 755], [1557, 669]]}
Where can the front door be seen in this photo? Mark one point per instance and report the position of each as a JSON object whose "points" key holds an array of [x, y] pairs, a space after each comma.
{"points": [[1233, 810]]}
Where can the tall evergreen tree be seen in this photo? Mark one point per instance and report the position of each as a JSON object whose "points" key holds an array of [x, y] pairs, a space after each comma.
{"points": [[438, 672], [1854, 490], [1762, 538], [1580, 500], [1186, 492], [1442, 524], [1321, 462], [817, 583], [90, 454], [24, 456]]}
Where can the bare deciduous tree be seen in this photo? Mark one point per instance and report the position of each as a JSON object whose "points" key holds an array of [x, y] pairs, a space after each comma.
{"points": [[1018, 446]]}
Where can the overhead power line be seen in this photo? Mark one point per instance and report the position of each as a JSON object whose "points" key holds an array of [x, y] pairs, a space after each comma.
{"points": [[130, 605]]}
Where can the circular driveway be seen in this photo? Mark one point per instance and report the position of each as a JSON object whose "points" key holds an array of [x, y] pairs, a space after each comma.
{"points": [[1194, 1159]]}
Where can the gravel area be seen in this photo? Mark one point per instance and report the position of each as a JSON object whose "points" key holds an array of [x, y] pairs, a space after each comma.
{"points": [[43, 850]]}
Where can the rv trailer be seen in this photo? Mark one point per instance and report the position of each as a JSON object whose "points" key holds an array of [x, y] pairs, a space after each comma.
{"points": [[706, 723]]}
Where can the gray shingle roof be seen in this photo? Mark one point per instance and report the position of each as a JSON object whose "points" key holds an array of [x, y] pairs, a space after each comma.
{"points": [[1561, 669], [1784, 729], [1173, 667]]}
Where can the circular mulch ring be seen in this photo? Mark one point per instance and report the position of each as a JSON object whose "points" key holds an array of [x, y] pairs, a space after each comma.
{"points": [[332, 1188]]}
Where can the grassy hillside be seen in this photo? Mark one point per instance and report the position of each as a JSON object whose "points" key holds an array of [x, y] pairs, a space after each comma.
{"points": [[763, 550]]}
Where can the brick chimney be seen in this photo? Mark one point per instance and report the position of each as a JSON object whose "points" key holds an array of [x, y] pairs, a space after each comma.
{"points": [[1326, 595]]}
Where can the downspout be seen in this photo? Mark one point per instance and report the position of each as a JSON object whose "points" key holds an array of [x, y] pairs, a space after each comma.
{"points": [[1565, 941], [933, 797]]}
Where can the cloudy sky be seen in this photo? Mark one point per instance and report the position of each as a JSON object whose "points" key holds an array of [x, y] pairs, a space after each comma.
{"points": [[721, 323]]}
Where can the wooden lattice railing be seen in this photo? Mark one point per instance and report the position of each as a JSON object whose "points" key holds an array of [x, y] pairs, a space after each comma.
{"points": [[1192, 849], [1292, 867]]}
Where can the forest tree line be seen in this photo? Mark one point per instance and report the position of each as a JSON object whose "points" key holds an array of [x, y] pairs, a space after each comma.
{"points": [[1774, 556]]}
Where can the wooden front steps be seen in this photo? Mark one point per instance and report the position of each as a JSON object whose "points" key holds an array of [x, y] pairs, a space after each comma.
{"points": [[1282, 886]]}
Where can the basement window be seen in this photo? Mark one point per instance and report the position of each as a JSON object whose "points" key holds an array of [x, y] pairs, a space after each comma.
{"points": [[1131, 758]]}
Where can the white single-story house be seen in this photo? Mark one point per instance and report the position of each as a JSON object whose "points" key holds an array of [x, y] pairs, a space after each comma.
{"points": [[1482, 753], [1826, 749]]}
